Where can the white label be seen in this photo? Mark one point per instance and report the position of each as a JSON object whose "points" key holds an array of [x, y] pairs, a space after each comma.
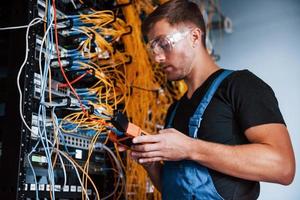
{"points": [[37, 90], [41, 187], [73, 188], [37, 81], [78, 154], [34, 133], [47, 187], [57, 188], [66, 188], [79, 189], [32, 187]]}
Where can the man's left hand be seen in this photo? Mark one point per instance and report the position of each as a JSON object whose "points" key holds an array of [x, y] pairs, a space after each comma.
{"points": [[169, 144]]}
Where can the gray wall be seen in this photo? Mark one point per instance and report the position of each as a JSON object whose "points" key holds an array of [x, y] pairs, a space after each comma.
{"points": [[266, 40]]}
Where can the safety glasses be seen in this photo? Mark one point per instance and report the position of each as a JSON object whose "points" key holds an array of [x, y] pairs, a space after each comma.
{"points": [[166, 43]]}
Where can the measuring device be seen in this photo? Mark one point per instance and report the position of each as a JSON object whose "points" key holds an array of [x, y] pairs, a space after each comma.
{"points": [[124, 131]]}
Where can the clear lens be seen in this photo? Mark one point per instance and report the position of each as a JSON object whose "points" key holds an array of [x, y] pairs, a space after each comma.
{"points": [[165, 44], [160, 45]]}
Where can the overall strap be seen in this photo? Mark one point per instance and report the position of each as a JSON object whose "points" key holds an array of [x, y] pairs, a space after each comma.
{"points": [[196, 119]]}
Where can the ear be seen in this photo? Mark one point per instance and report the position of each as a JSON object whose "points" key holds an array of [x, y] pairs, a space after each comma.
{"points": [[196, 35]]}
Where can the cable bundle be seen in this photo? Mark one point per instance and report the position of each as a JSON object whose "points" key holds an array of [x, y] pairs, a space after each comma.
{"points": [[89, 103], [149, 97]]}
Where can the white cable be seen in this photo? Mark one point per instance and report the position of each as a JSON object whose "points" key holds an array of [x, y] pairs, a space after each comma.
{"points": [[64, 170], [20, 27], [32, 169], [48, 105], [42, 108], [44, 140], [33, 22], [41, 51], [74, 4], [56, 130], [42, 131], [42, 113]]}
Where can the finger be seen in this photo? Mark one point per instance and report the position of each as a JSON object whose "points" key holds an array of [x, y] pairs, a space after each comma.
{"points": [[146, 147], [134, 157], [142, 155], [149, 160], [146, 139]]}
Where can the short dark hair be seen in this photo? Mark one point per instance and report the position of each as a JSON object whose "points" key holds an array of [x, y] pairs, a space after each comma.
{"points": [[176, 12]]}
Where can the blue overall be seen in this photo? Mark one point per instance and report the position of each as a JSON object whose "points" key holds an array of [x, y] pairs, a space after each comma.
{"points": [[186, 179]]}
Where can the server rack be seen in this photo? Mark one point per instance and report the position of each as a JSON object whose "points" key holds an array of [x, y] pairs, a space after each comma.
{"points": [[24, 165]]}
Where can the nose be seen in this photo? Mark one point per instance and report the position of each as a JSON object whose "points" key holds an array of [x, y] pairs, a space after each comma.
{"points": [[159, 57]]}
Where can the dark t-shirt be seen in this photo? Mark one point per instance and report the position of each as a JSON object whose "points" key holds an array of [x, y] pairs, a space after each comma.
{"points": [[241, 101]]}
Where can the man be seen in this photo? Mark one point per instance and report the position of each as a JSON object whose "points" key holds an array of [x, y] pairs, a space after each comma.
{"points": [[239, 137]]}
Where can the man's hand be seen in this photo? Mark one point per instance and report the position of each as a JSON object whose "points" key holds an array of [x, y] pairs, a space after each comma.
{"points": [[121, 148], [169, 144]]}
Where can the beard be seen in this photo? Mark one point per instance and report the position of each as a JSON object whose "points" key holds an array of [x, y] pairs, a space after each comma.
{"points": [[178, 73]]}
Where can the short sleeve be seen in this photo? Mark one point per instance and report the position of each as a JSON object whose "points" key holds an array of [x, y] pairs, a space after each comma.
{"points": [[254, 102]]}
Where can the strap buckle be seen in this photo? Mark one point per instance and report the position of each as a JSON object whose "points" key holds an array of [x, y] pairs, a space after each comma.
{"points": [[194, 125]]}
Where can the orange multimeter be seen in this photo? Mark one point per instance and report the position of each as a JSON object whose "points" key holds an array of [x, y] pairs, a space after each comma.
{"points": [[124, 131]]}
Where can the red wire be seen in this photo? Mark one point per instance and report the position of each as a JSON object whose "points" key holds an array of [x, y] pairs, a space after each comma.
{"points": [[59, 61], [62, 69], [73, 81]]}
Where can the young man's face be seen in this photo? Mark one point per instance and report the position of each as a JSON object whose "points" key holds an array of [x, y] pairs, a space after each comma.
{"points": [[171, 47]]}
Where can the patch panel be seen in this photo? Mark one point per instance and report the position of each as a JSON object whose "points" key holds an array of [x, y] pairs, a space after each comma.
{"points": [[55, 89]]}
